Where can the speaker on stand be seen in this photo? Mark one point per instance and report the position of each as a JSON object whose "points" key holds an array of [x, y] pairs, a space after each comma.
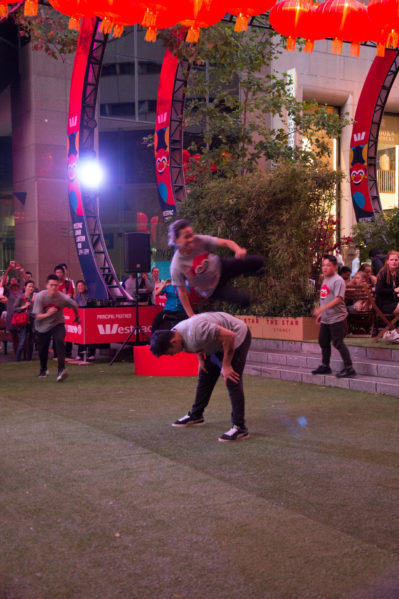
{"points": [[137, 258]]}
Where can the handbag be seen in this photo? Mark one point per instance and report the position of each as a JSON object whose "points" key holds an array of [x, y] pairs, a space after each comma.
{"points": [[20, 320]]}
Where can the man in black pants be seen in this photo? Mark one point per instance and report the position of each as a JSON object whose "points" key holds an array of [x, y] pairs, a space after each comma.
{"points": [[221, 342], [331, 314], [48, 309]]}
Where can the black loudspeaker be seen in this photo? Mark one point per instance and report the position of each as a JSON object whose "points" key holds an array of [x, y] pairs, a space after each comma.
{"points": [[137, 248]]}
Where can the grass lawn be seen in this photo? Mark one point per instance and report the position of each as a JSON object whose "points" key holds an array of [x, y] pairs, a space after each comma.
{"points": [[102, 499]]}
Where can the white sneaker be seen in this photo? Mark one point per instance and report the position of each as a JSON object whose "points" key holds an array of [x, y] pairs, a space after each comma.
{"points": [[62, 375]]}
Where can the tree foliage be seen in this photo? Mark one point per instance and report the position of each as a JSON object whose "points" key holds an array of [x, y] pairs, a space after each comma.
{"points": [[381, 233], [274, 213], [234, 73]]}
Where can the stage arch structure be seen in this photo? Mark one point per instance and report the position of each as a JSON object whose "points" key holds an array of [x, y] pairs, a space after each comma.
{"points": [[364, 142], [97, 268]]}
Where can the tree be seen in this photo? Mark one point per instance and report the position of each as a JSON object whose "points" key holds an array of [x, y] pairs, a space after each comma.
{"points": [[234, 73]]}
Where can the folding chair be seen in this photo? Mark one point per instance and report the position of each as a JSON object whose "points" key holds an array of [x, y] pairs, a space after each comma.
{"points": [[360, 323], [389, 324]]}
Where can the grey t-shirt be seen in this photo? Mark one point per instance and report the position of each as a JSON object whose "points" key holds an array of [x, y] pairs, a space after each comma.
{"points": [[43, 302], [200, 268], [199, 331], [331, 288]]}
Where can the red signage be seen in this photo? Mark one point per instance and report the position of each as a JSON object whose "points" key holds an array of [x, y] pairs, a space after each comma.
{"points": [[107, 325]]}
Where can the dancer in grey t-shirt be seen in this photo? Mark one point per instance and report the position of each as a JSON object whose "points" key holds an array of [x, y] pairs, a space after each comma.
{"points": [[207, 274], [221, 342], [48, 309]]}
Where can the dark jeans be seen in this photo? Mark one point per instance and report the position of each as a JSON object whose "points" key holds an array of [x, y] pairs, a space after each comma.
{"points": [[43, 343], [334, 333], [208, 380], [25, 342], [231, 268]]}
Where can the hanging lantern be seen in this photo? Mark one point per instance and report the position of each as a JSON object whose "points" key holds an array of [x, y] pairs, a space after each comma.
{"points": [[197, 15], [75, 9], [384, 17], [344, 20], [244, 10], [4, 7], [286, 18], [159, 15], [309, 28]]}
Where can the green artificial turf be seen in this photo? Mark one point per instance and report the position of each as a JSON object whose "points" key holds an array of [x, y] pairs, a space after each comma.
{"points": [[102, 498]]}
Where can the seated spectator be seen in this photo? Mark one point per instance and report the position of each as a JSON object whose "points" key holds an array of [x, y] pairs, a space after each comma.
{"points": [[371, 279], [173, 311], [387, 286], [378, 259], [344, 272], [145, 287], [24, 303], [81, 299], [360, 305]]}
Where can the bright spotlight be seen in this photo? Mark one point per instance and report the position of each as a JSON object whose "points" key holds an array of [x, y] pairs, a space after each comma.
{"points": [[90, 173]]}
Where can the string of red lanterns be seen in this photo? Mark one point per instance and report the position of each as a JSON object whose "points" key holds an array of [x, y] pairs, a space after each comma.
{"points": [[348, 20]]}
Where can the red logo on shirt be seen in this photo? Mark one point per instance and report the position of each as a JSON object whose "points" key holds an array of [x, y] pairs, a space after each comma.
{"points": [[199, 265], [324, 291]]}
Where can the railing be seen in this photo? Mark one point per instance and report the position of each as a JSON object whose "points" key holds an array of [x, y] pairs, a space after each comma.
{"points": [[386, 181]]}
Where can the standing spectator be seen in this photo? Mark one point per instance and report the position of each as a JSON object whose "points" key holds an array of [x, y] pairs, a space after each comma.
{"points": [[24, 303], [387, 286], [64, 286], [207, 273], [173, 311], [28, 277], [12, 292], [378, 259], [332, 315], [355, 263], [221, 342], [81, 299], [157, 284], [48, 309], [145, 286]]}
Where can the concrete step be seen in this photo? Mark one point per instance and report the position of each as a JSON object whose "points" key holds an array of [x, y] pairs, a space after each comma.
{"points": [[310, 361], [306, 348], [367, 383]]}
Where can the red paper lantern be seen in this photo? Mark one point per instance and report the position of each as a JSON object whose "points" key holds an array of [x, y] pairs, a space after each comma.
{"points": [[244, 10], [287, 17], [309, 28], [384, 16], [75, 9], [196, 16], [344, 20]]}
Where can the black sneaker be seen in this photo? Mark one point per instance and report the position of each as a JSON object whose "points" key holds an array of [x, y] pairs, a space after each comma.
{"points": [[42, 374], [189, 420], [236, 433], [322, 370], [346, 373], [62, 375]]}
